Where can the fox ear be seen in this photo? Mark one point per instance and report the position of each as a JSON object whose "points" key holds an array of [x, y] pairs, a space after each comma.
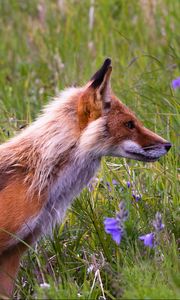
{"points": [[97, 96], [100, 82]]}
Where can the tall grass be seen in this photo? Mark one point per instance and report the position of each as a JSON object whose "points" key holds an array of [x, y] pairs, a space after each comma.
{"points": [[48, 45]]}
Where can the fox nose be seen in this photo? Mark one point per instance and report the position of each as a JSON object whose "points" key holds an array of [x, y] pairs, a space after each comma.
{"points": [[167, 146]]}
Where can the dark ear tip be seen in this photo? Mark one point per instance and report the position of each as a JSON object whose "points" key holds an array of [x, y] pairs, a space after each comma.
{"points": [[98, 77], [107, 62]]}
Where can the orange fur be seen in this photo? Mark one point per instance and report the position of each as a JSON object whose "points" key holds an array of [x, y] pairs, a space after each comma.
{"points": [[48, 164], [88, 109], [16, 208], [9, 265], [118, 116]]}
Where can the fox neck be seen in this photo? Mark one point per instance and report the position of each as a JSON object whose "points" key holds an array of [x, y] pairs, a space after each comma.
{"points": [[67, 185]]}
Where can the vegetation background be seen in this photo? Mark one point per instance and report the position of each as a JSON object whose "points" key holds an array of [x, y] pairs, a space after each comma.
{"points": [[46, 46]]}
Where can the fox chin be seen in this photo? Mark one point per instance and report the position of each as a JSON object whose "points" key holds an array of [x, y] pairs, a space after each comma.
{"points": [[46, 166]]}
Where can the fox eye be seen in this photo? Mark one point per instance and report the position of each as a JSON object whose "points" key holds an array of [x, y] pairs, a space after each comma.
{"points": [[130, 124]]}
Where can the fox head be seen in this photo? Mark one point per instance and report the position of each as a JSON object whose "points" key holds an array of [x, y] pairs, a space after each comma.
{"points": [[121, 134]]}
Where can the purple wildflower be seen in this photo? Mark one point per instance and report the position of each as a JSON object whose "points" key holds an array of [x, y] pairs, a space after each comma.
{"points": [[157, 223], [148, 239], [128, 184], [115, 226], [151, 239], [176, 83], [122, 214], [136, 197], [108, 186], [115, 182]]}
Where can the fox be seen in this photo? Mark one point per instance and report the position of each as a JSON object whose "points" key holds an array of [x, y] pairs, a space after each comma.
{"points": [[45, 166]]}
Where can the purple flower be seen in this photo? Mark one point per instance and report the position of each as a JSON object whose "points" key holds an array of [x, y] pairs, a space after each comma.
{"points": [[137, 197], [176, 83], [128, 184], [148, 239], [157, 223], [122, 214], [108, 186], [115, 182], [113, 228], [151, 239]]}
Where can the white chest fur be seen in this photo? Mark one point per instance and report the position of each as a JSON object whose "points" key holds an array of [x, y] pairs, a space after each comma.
{"points": [[68, 185]]}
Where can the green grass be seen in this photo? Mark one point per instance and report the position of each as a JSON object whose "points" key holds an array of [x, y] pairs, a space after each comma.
{"points": [[45, 47]]}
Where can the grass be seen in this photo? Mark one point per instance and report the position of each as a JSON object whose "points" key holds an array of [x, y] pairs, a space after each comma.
{"points": [[48, 45]]}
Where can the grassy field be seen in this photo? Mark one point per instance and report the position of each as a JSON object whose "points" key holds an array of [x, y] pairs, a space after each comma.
{"points": [[49, 45]]}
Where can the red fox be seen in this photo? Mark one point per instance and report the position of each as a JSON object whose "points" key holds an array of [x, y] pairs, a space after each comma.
{"points": [[45, 166]]}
